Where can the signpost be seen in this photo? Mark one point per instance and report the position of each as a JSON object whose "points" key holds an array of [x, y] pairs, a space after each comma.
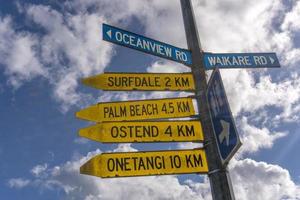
{"points": [[226, 135], [144, 44], [109, 165], [142, 81], [219, 178], [240, 60], [138, 110], [145, 131], [125, 121]]}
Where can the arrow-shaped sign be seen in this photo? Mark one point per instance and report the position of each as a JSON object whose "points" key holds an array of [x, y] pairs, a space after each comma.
{"points": [[138, 110], [147, 45], [144, 131], [142, 81], [126, 164], [240, 60]]}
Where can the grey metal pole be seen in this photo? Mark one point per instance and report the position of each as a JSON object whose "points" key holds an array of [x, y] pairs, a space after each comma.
{"points": [[220, 183]]}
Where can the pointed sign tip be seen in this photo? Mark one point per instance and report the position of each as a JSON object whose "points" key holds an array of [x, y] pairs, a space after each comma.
{"points": [[77, 114], [272, 60], [109, 33], [84, 81]]}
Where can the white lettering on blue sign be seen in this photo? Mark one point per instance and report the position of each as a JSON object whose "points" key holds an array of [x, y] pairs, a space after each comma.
{"points": [[240, 60], [138, 42]]}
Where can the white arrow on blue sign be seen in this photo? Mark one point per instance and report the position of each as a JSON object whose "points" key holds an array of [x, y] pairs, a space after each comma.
{"points": [[226, 135], [240, 60], [144, 44]]}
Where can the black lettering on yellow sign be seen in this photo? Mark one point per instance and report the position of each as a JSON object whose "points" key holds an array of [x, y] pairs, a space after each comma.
{"points": [[134, 131], [186, 131], [144, 109], [144, 131], [153, 131], [131, 81], [149, 163], [181, 82], [146, 163], [183, 106], [175, 161], [139, 163], [141, 81], [169, 131], [153, 162], [168, 108], [194, 160], [134, 110], [111, 111], [138, 110]]}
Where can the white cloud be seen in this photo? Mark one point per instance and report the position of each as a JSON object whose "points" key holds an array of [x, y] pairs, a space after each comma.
{"points": [[18, 183], [262, 181], [292, 19], [81, 141], [18, 54], [124, 148], [249, 95], [167, 67], [189, 145], [72, 46], [39, 169], [255, 138]]}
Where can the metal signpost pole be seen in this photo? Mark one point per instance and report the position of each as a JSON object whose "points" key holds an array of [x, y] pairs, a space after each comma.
{"points": [[218, 175]]}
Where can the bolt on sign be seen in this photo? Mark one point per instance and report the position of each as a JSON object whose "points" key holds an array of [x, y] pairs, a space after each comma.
{"points": [[138, 110], [141, 131], [108, 165], [142, 81]]}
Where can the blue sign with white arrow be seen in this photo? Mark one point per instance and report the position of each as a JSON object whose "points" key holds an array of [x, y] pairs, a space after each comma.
{"points": [[147, 45], [240, 60], [226, 135]]}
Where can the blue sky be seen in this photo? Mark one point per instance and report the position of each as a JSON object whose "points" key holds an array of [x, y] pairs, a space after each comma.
{"points": [[47, 46]]}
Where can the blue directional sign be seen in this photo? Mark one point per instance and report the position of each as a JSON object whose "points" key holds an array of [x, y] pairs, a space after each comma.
{"points": [[240, 60], [147, 45], [226, 135]]}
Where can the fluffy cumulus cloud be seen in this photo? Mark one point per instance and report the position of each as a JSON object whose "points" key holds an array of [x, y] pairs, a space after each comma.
{"points": [[72, 47], [255, 138], [18, 54], [262, 181]]}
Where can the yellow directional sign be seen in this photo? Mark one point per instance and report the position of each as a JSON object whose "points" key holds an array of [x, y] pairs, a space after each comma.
{"points": [[146, 163], [138, 110], [141, 81], [141, 131]]}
